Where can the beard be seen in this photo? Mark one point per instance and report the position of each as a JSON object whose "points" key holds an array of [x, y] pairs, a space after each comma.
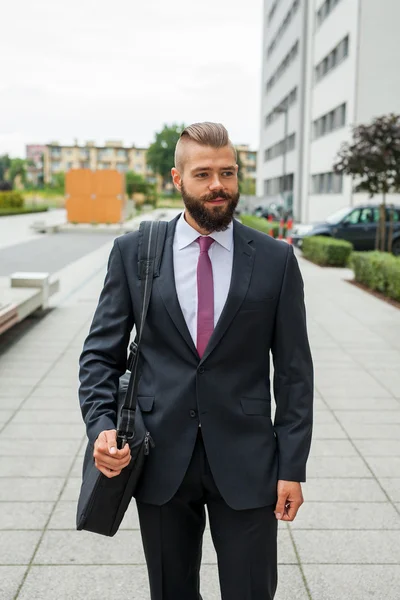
{"points": [[210, 219]]}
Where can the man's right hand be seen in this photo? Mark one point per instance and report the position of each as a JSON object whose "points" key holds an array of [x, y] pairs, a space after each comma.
{"points": [[108, 459]]}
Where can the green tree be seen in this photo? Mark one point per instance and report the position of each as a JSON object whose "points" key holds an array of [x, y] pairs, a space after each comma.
{"points": [[17, 167], [58, 182], [373, 159], [135, 183], [5, 162], [160, 155], [240, 171]]}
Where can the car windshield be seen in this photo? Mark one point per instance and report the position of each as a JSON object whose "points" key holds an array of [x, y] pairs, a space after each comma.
{"points": [[338, 216]]}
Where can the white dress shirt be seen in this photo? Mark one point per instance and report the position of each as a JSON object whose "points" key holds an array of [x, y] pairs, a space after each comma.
{"points": [[186, 251]]}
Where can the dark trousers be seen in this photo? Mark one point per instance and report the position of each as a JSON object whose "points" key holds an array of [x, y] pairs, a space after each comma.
{"points": [[245, 541]]}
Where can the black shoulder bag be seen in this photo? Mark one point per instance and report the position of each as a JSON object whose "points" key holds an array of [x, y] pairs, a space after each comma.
{"points": [[102, 501]]}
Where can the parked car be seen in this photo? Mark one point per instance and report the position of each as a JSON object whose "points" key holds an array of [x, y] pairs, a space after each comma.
{"points": [[265, 211], [356, 224]]}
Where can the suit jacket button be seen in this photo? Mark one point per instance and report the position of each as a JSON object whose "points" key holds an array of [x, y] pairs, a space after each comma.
{"points": [[193, 414], [201, 370]]}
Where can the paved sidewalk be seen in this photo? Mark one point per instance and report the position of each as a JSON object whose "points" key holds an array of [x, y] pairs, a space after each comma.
{"points": [[345, 543]]}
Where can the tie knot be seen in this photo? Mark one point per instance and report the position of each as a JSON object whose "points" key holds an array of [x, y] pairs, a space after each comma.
{"points": [[205, 243]]}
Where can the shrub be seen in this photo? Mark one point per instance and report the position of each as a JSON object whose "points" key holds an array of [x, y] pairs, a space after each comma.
{"points": [[326, 251], [11, 200], [262, 224], [379, 271]]}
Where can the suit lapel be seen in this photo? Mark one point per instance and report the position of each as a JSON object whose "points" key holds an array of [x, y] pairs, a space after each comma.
{"points": [[166, 286], [243, 261]]}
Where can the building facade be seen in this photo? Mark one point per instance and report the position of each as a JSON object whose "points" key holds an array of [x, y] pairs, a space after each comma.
{"points": [[113, 155], [327, 65], [35, 167], [248, 161]]}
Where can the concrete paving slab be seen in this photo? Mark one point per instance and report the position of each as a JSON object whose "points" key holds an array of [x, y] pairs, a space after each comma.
{"points": [[391, 485], [378, 447], [72, 489], [380, 431], [27, 431], [65, 514], [343, 490], [338, 448], [84, 548], [10, 402], [54, 403], [44, 448], [10, 580], [384, 466], [368, 416], [85, 582], [350, 403], [330, 466], [24, 515], [17, 547], [5, 415], [353, 582], [35, 466], [49, 417], [348, 547], [323, 417], [35, 489], [347, 515], [331, 431]]}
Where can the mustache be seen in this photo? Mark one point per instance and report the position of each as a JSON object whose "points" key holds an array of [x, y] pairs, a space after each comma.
{"points": [[216, 195]]}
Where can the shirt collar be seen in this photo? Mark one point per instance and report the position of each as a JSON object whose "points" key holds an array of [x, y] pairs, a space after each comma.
{"points": [[186, 235]]}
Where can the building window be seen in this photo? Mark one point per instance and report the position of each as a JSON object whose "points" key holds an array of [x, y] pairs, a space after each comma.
{"points": [[280, 148], [284, 65], [279, 185], [335, 119], [325, 10], [287, 102], [285, 24], [334, 58], [327, 183], [56, 166], [121, 153]]}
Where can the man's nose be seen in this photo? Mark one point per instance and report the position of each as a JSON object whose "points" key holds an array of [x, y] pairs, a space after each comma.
{"points": [[215, 183]]}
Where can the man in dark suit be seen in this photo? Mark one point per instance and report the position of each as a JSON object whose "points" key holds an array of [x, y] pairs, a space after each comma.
{"points": [[226, 297]]}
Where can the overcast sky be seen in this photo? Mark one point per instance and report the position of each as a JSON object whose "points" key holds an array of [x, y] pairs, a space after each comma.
{"points": [[120, 69]]}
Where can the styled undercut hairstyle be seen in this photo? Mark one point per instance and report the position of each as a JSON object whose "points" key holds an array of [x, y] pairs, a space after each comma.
{"points": [[205, 134]]}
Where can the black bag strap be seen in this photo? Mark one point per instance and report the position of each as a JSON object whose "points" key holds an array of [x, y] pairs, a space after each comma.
{"points": [[152, 236]]}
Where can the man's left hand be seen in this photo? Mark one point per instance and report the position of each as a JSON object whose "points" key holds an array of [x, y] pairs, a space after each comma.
{"points": [[290, 498]]}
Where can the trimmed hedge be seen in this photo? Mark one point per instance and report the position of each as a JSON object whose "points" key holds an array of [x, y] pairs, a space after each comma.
{"points": [[326, 251], [262, 224], [379, 271], [11, 200], [8, 212]]}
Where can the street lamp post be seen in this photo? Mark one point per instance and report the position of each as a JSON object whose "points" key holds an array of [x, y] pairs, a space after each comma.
{"points": [[285, 111]]}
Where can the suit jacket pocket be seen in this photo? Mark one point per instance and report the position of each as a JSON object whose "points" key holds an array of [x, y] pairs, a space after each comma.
{"points": [[256, 406], [146, 403]]}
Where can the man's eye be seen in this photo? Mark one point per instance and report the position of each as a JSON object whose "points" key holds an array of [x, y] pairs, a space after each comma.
{"points": [[201, 175], [228, 173]]}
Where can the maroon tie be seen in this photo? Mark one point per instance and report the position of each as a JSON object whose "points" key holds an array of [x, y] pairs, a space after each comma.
{"points": [[205, 296]]}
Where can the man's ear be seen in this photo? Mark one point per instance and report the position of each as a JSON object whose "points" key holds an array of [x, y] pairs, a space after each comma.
{"points": [[176, 178]]}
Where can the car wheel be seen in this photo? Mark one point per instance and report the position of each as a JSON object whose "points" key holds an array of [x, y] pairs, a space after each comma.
{"points": [[396, 247]]}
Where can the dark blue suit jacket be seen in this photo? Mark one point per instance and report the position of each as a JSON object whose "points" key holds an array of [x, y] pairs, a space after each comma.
{"points": [[228, 390]]}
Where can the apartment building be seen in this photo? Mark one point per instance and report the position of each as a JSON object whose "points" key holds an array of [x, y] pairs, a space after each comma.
{"points": [[327, 65], [34, 171], [248, 160], [113, 155]]}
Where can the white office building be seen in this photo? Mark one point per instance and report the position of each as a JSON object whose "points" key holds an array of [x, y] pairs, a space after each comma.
{"points": [[327, 65]]}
